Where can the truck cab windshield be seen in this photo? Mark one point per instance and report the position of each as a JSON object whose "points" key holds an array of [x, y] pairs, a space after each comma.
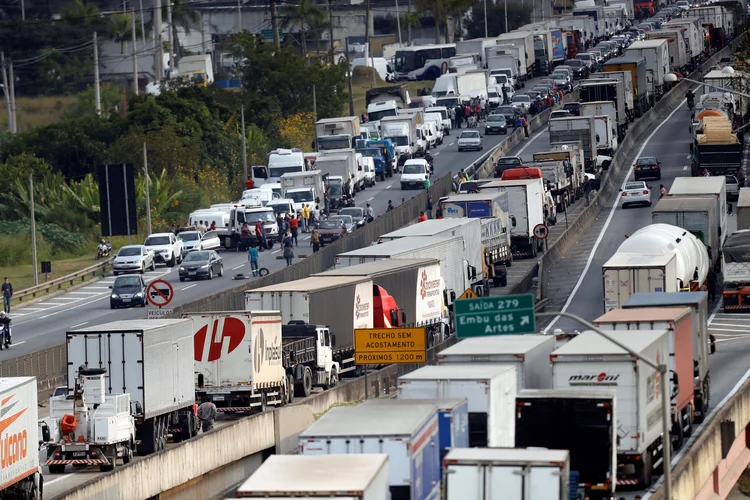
{"points": [[253, 217], [406, 61], [400, 140], [448, 102], [279, 171], [334, 190], [374, 116], [300, 196], [333, 142]]}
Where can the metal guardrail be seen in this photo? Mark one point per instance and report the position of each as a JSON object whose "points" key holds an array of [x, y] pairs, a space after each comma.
{"points": [[58, 283]]}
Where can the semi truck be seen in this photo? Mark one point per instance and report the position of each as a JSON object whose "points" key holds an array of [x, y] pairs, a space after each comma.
{"points": [[736, 272], [408, 433], [693, 34], [20, 475], [518, 64], [557, 183], [406, 292], [590, 360], [528, 353], [526, 208], [588, 418], [678, 322], [696, 215], [524, 38], [347, 477], [402, 131], [487, 474], [679, 60], [656, 53], [305, 305], [468, 85], [717, 151], [354, 167], [703, 342], [576, 129], [490, 391], [385, 101], [337, 133], [656, 258], [636, 65], [303, 187], [154, 365], [712, 187], [336, 170], [605, 97], [573, 157]]}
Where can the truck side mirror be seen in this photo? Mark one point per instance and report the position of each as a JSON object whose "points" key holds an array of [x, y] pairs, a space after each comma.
{"points": [[200, 380], [45, 433], [394, 317], [403, 318], [513, 220], [333, 340]]}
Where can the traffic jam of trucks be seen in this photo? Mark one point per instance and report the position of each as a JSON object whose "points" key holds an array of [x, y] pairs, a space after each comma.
{"points": [[475, 424]]}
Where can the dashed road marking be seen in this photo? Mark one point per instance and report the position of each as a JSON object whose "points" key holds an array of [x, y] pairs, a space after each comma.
{"points": [[80, 324], [237, 267], [189, 286]]}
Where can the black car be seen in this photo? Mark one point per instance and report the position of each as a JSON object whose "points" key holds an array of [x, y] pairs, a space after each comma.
{"points": [[647, 166], [509, 112], [128, 291], [580, 69], [505, 163], [496, 124], [204, 264]]}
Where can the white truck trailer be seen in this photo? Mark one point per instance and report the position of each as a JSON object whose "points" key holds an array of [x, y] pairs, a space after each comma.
{"points": [[347, 477], [695, 214], [526, 208], [337, 133], [525, 38], [303, 187], [20, 474], [679, 55], [715, 187], [589, 360], [519, 474], [576, 129], [490, 390], [528, 353], [656, 53], [154, 360]]}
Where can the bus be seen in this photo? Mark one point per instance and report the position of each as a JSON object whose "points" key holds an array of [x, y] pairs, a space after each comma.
{"points": [[423, 62]]}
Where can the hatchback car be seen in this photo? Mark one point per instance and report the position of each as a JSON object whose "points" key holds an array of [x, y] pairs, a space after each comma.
{"points": [[358, 215], [128, 291], [346, 220], [133, 258], [331, 230], [201, 264], [470, 139], [635, 193], [496, 124], [647, 166]]}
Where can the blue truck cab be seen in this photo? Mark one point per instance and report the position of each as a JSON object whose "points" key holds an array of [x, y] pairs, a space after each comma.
{"points": [[377, 156], [387, 144]]}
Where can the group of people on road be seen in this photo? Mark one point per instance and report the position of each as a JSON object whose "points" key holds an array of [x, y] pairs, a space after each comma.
{"points": [[470, 112]]}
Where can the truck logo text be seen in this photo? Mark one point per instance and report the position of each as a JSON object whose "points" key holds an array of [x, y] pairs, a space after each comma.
{"points": [[232, 330], [13, 446], [598, 379], [428, 288], [361, 309], [265, 353]]}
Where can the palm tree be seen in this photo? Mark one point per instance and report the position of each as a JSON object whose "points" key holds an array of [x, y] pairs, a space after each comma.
{"points": [[441, 10], [411, 19], [81, 13], [184, 16], [304, 14], [120, 27]]}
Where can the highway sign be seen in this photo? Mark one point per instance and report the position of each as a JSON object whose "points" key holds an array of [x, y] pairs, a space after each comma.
{"points": [[486, 316], [160, 313], [382, 346], [159, 293], [469, 294], [541, 231]]}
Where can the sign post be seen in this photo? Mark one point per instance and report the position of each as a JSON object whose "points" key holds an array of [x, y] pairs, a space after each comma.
{"points": [[159, 293], [541, 231], [382, 346], [487, 316]]}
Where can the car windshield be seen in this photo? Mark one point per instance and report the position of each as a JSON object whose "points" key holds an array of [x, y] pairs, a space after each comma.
{"points": [[334, 190], [414, 168], [557, 75], [329, 224], [190, 236], [196, 257], [646, 161], [731, 179], [496, 118], [584, 57], [124, 281], [347, 219], [574, 63], [279, 208], [635, 185], [371, 152], [521, 98], [129, 251], [469, 135], [500, 78], [508, 161], [253, 217], [374, 116], [354, 212], [300, 196], [157, 241], [506, 110], [492, 94]]}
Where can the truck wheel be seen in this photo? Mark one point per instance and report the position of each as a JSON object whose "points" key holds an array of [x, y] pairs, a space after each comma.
{"points": [[127, 457], [303, 388], [112, 463], [688, 427], [644, 474], [289, 389], [56, 469], [332, 380]]}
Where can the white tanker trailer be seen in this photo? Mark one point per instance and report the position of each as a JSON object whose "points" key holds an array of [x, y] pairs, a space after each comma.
{"points": [[656, 258]]}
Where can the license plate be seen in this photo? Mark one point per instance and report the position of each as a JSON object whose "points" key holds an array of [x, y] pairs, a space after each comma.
{"points": [[126, 300], [79, 454], [218, 398], [192, 273]]}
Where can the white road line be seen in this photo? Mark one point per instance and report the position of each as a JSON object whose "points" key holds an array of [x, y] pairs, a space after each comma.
{"points": [[15, 315], [609, 220], [85, 293], [32, 309], [237, 267], [688, 157], [437, 153], [684, 168], [50, 304], [276, 251], [96, 288], [66, 476], [370, 198], [104, 296], [528, 143], [65, 298], [389, 186], [189, 286], [80, 324], [451, 144], [21, 342]]}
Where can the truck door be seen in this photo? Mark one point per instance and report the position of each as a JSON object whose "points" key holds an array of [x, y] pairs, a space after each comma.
{"points": [[325, 354], [656, 277], [543, 482], [504, 482], [464, 481]]}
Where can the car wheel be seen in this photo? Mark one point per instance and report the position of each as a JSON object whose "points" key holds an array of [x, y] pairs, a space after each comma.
{"points": [[153, 265], [143, 268], [182, 280], [221, 271], [171, 262], [112, 306], [210, 273]]}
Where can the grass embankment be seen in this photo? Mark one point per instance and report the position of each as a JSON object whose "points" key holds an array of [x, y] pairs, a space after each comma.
{"points": [[36, 111], [362, 82]]}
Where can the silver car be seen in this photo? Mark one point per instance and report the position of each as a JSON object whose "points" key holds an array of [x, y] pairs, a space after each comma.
{"points": [[201, 264], [348, 221], [133, 258]]}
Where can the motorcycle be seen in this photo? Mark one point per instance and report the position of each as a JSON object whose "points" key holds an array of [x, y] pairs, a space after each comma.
{"points": [[5, 336], [103, 251], [690, 101]]}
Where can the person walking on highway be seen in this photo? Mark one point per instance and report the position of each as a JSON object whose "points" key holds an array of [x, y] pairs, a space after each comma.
{"points": [[315, 240], [370, 213], [712, 281], [7, 290], [427, 182], [207, 415], [252, 256], [525, 126], [305, 218], [288, 248], [662, 191], [452, 116], [294, 227], [428, 207]]}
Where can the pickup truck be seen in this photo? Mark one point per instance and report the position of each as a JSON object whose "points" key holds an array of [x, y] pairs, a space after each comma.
{"points": [[506, 162], [167, 248]]}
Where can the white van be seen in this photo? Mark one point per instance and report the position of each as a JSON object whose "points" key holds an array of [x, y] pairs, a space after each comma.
{"points": [[368, 168], [264, 195], [435, 119], [380, 64], [221, 219]]}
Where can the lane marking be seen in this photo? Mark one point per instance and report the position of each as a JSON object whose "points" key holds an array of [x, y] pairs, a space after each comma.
{"points": [[80, 324], [389, 186], [370, 198], [96, 288], [528, 143], [19, 343], [609, 220], [18, 314], [276, 251], [85, 293], [66, 476], [189, 286], [685, 167], [237, 267], [437, 153]]}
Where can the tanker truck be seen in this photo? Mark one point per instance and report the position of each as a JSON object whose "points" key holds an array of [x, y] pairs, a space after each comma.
{"points": [[656, 258]]}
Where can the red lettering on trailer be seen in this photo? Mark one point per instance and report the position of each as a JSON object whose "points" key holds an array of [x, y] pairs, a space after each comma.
{"points": [[233, 329]]}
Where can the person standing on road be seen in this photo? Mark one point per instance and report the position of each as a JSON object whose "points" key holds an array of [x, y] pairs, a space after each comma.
{"points": [[7, 290], [712, 281], [252, 256], [525, 126], [315, 240], [452, 116], [294, 227], [429, 206], [306, 218], [288, 249], [370, 213], [207, 415]]}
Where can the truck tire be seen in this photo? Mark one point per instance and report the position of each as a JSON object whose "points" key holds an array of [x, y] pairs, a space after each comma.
{"points": [[644, 474], [332, 380], [303, 388], [112, 462], [289, 389], [127, 457], [688, 427]]}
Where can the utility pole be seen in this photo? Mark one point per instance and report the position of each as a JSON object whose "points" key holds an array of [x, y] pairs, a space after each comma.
{"points": [[244, 144], [135, 56], [275, 24], [13, 110], [6, 92], [171, 41], [97, 90], [143, 25], [239, 14], [315, 118], [330, 29], [158, 44], [148, 189], [23, 10], [506, 15], [398, 23], [349, 73], [367, 33], [485, 19], [33, 229]]}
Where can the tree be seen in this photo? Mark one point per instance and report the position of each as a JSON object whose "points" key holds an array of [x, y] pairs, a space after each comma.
{"points": [[120, 27], [185, 17], [305, 14], [18, 167], [411, 20], [517, 17], [439, 10], [85, 105]]}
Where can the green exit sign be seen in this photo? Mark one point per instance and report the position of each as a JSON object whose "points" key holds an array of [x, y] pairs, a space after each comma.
{"points": [[486, 316]]}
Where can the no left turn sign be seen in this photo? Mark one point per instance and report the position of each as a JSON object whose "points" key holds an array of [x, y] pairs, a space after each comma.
{"points": [[541, 231], [159, 293]]}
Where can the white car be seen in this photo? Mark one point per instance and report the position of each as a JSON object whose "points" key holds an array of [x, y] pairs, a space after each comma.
{"points": [[683, 4], [470, 139], [636, 193], [414, 173], [167, 248], [133, 258], [194, 240], [521, 101]]}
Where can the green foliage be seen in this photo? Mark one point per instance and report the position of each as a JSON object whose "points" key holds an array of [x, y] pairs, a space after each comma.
{"points": [[304, 15], [517, 17], [85, 106], [52, 241], [19, 167]]}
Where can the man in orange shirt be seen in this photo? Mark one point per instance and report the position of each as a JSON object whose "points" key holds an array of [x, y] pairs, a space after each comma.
{"points": [[249, 183], [422, 217]]}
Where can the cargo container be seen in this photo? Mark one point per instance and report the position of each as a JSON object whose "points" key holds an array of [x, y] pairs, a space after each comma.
{"points": [[573, 157], [589, 360], [693, 36], [605, 97], [407, 434], [307, 302], [490, 390], [656, 258], [715, 187], [736, 267], [698, 304], [626, 79], [453, 269], [360, 477], [743, 209], [695, 214], [582, 24], [512, 56], [527, 210], [453, 419], [636, 65], [490, 474], [656, 53], [576, 129], [402, 281], [678, 321], [679, 56], [154, 360], [528, 353], [525, 38], [20, 473], [590, 433], [595, 12]]}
